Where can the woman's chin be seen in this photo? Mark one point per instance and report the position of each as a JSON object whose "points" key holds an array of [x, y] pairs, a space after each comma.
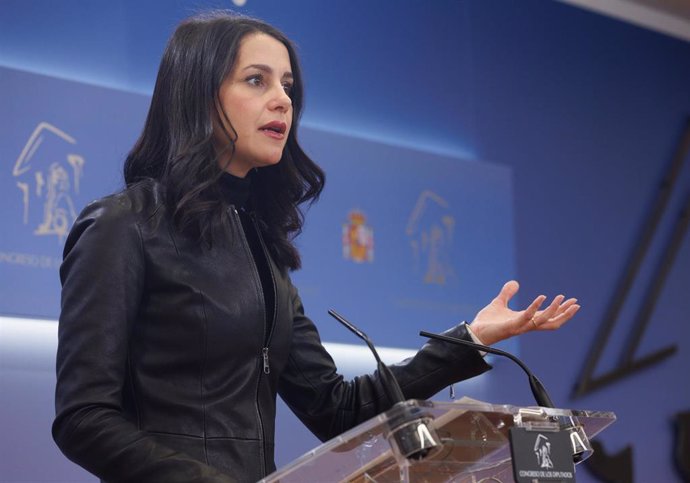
{"points": [[269, 161]]}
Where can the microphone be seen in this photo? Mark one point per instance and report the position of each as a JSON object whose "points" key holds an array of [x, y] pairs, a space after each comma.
{"points": [[581, 446], [538, 389], [410, 433], [390, 384]]}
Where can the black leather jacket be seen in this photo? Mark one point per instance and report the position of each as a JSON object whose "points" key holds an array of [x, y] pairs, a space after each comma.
{"points": [[166, 368]]}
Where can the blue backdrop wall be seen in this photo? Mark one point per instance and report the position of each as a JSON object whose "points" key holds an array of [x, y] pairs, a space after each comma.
{"points": [[584, 111]]}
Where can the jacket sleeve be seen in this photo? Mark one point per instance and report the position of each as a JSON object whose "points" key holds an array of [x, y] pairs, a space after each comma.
{"points": [[102, 286], [328, 405]]}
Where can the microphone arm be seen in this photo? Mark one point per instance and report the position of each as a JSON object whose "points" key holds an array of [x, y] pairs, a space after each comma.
{"points": [[581, 447], [391, 385], [538, 389], [409, 429]]}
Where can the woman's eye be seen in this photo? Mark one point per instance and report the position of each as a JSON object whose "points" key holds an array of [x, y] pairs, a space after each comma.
{"points": [[255, 80], [287, 87]]}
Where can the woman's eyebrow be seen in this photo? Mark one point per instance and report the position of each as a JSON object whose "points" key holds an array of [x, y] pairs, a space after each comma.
{"points": [[268, 70]]}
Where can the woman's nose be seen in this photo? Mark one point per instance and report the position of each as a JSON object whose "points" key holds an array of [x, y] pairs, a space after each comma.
{"points": [[280, 99]]}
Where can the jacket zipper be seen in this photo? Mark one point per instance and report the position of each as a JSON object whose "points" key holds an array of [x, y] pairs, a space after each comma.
{"points": [[267, 333], [267, 367], [269, 336]]}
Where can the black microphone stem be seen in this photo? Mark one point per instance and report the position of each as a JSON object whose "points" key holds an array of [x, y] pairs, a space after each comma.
{"points": [[391, 385], [581, 448], [538, 389]]}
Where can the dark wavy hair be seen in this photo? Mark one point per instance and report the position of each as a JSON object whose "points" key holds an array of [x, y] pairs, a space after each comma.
{"points": [[176, 147]]}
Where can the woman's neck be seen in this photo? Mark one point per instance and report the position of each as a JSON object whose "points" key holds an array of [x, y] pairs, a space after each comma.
{"points": [[235, 190]]}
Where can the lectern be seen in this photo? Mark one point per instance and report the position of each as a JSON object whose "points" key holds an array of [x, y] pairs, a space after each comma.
{"points": [[466, 441]]}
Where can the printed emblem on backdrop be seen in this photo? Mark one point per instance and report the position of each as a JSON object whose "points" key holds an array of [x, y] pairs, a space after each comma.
{"points": [[358, 238], [430, 230], [47, 183]]}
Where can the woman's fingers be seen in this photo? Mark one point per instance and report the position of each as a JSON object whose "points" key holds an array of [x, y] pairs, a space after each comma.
{"points": [[497, 321], [550, 311], [560, 319], [526, 320], [555, 315]]}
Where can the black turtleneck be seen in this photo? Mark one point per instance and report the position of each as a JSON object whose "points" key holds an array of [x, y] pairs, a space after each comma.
{"points": [[236, 192]]}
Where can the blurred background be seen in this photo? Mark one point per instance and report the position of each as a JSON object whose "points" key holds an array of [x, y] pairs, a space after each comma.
{"points": [[540, 140]]}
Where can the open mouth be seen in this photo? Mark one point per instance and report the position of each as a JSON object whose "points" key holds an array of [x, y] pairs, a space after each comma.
{"points": [[274, 127]]}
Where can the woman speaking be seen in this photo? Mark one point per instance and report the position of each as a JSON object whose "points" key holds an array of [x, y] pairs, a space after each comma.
{"points": [[179, 322]]}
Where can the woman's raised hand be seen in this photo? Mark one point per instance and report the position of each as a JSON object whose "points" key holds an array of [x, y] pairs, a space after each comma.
{"points": [[497, 322]]}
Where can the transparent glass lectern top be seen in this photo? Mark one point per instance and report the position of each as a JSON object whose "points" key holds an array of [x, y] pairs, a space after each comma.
{"points": [[474, 447]]}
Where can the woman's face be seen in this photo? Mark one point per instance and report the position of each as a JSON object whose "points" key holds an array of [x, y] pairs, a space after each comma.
{"points": [[255, 97]]}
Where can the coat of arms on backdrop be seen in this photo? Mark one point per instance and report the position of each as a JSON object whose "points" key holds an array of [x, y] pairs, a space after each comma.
{"points": [[358, 238]]}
